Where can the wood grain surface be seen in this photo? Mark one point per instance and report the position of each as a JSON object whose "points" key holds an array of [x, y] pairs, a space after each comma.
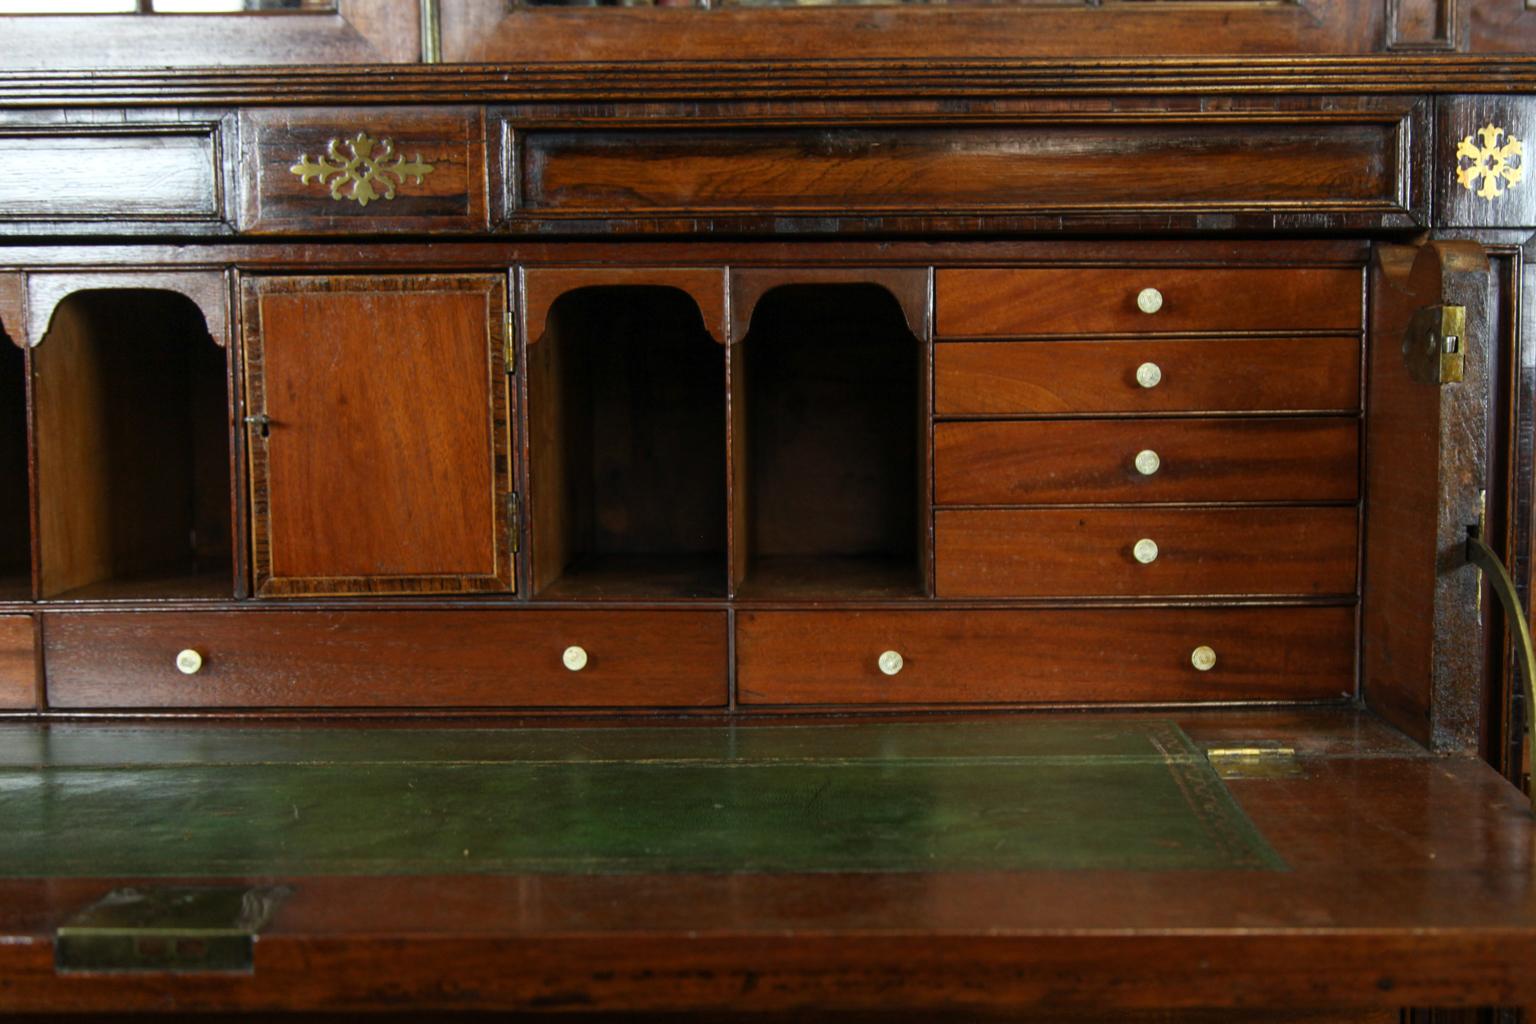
{"points": [[387, 462], [362, 659], [1088, 551], [1088, 656], [1091, 300], [18, 663], [1207, 375], [1083, 461]]}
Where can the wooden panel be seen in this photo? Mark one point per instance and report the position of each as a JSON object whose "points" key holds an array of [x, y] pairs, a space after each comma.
{"points": [[1051, 656], [1081, 461], [388, 461], [1087, 552], [18, 663], [1235, 165], [162, 173], [387, 659], [1086, 377], [452, 195], [543, 286], [1087, 300], [1422, 621], [1478, 199]]}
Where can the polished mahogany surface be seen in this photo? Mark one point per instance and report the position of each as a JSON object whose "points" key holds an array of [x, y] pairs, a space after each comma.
{"points": [[1408, 880]]}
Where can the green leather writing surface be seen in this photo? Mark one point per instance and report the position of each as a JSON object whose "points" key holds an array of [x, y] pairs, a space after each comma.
{"points": [[1032, 793]]}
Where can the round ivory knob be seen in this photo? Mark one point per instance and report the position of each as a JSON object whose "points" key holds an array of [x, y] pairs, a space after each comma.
{"points": [[1203, 658], [574, 658], [891, 662], [1148, 462], [189, 662], [1149, 300], [1149, 375], [1145, 551]]}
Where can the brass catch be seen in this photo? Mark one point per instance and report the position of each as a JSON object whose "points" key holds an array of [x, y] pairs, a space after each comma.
{"points": [[1434, 346], [167, 929]]}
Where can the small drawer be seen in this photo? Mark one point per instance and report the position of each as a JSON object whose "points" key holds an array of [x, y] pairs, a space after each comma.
{"points": [[502, 658], [163, 172], [1145, 300], [1164, 460], [1045, 656], [1046, 378], [363, 170], [18, 663], [1155, 552]]}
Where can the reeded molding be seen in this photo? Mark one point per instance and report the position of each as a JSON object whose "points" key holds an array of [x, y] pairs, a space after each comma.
{"points": [[761, 80]]}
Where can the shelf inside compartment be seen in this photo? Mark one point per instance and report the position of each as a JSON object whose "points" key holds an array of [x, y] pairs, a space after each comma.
{"points": [[132, 436], [627, 466], [828, 446]]}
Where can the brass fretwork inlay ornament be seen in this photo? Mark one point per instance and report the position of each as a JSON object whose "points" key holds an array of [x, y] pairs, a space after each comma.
{"points": [[1497, 161], [369, 169]]}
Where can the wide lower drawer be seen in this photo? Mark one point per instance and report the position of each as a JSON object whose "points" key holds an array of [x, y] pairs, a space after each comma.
{"points": [[1142, 375], [1112, 300], [1130, 552], [1045, 656], [387, 659], [1079, 461], [18, 663]]}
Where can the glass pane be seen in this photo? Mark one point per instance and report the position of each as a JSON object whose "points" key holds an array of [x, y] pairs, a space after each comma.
{"points": [[68, 6]]}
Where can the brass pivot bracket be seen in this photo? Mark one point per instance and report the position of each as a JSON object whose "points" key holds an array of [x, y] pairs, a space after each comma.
{"points": [[1486, 559], [1434, 345]]}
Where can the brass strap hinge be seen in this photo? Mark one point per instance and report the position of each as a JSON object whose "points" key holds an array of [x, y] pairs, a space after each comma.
{"points": [[1487, 559], [174, 929], [1258, 760], [514, 521], [1435, 344]]}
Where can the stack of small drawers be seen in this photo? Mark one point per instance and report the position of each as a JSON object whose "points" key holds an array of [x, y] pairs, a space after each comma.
{"points": [[1166, 436]]}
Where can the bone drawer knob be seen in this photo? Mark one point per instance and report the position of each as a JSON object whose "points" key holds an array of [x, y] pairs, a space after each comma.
{"points": [[1145, 551], [1203, 658], [1149, 375], [1148, 462], [1149, 300], [891, 662], [189, 662], [574, 658]]}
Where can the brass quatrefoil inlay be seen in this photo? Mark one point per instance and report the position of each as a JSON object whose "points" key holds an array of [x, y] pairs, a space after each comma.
{"points": [[369, 169], [1498, 161]]}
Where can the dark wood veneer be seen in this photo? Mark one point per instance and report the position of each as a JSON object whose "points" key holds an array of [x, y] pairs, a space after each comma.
{"points": [[1198, 460], [374, 659], [1088, 551], [1084, 656]]}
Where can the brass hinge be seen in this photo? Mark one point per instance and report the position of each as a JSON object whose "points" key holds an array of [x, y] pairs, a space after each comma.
{"points": [[1263, 759], [514, 521], [509, 344], [1435, 345], [176, 929]]}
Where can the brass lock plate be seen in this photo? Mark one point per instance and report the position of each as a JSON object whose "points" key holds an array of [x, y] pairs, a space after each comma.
{"points": [[167, 929], [1434, 346]]}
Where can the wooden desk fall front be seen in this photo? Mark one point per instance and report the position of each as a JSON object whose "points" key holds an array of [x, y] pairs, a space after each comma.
{"points": [[968, 536]]}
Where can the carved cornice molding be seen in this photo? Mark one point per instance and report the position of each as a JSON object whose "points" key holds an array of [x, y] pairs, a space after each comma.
{"points": [[765, 80]]}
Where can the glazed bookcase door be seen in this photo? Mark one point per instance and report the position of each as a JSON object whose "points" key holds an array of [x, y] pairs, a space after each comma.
{"points": [[378, 429]]}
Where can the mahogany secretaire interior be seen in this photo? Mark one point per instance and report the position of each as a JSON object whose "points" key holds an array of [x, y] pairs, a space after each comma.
{"points": [[768, 510]]}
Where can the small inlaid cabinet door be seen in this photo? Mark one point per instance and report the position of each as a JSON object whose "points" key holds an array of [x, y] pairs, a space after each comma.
{"points": [[379, 434]]}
